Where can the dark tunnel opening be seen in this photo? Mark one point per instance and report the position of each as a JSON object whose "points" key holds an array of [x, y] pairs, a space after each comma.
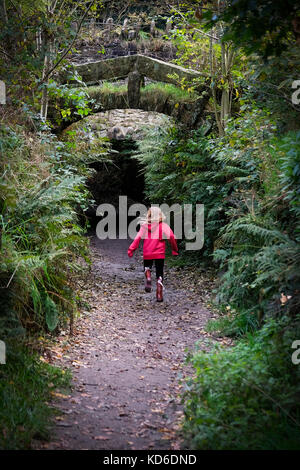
{"points": [[122, 177]]}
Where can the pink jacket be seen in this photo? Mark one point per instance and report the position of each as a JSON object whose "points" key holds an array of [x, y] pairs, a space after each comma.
{"points": [[154, 236]]}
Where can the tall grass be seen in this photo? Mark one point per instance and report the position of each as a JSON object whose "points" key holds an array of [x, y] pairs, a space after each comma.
{"points": [[173, 92]]}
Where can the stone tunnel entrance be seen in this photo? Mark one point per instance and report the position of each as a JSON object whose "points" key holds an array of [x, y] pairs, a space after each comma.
{"points": [[122, 175]]}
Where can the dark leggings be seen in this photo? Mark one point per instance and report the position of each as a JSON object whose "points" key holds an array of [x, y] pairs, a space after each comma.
{"points": [[159, 266]]}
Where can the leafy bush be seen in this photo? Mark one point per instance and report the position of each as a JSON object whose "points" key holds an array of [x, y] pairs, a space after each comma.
{"points": [[68, 102], [247, 396], [42, 193], [26, 384], [260, 249]]}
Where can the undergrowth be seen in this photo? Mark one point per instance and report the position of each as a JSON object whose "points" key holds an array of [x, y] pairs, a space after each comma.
{"points": [[26, 387], [246, 397]]}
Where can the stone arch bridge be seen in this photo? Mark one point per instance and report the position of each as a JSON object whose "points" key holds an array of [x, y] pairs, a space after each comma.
{"points": [[136, 67], [130, 124], [116, 123]]}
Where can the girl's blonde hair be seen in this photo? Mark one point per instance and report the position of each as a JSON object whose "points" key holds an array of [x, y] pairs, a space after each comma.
{"points": [[154, 214]]}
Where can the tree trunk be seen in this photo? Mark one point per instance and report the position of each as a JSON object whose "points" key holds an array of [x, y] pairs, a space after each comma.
{"points": [[3, 11], [227, 58], [48, 48], [45, 97], [214, 92], [225, 107]]}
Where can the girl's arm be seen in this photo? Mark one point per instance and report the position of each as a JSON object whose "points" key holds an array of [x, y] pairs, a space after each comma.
{"points": [[173, 244], [168, 232], [135, 244]]}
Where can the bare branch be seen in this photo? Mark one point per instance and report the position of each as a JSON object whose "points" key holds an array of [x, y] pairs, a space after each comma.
{"points": [[47, 75], [195, 29]]}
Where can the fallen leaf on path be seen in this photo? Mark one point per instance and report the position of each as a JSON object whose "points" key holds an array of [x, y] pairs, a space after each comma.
{"points": [[59, 395]]}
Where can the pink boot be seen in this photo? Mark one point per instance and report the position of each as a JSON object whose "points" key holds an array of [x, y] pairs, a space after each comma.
{"points": [[159, 290], [147, 280]]}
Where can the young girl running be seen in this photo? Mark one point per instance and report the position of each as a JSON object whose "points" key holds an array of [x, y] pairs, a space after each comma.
{"points": [[154, 232]]}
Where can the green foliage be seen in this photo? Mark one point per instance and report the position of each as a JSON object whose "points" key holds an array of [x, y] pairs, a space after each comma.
{"points": [[260, 249], [143, 36], [260, 26], [68, 101], [107, 95], [41, 237], [290, 175], [36, 40], [26, 384], [51, 313], [169, 91], [109, 87], [269, 84], [42, 196], [245, 397]]}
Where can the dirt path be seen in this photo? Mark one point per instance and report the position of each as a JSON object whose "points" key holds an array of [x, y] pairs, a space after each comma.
{"points": [[127, 355]]}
